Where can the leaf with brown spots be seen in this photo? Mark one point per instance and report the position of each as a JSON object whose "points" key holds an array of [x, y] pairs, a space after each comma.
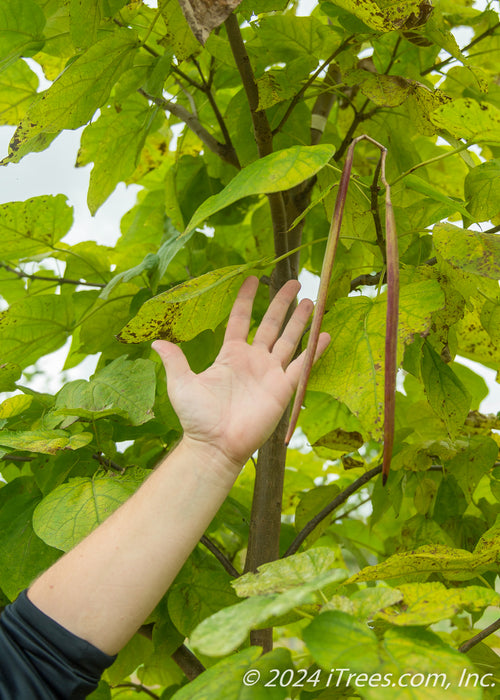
{"points": [[189, 308]]}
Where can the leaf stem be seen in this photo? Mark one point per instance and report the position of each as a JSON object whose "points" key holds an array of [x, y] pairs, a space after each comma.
{"points": [[461, 148], [58, 280]]}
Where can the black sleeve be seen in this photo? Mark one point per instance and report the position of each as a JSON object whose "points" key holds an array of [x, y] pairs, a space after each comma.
{"points": [[41, 660]]}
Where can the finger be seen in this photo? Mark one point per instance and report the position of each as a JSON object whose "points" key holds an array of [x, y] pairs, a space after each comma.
{"points": [[274, 317], [173, 358], [285, 346], [238, 324], [294, 368]]}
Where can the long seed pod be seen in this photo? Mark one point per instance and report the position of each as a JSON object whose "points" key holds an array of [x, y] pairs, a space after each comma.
{"points": [[326, 273], [392, 302], [391, 324]]}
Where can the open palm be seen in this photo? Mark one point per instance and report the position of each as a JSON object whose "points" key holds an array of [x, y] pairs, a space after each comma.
{"points": [[236, 403]]}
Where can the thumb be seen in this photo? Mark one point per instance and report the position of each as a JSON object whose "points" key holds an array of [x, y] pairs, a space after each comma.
{"points": [[173, 358]]}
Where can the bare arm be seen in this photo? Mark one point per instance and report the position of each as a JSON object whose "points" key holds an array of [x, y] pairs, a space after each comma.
{"points": [[105, 587]]}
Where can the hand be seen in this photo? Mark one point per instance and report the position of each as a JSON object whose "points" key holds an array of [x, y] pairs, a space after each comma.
{"points": [[235, 405]]}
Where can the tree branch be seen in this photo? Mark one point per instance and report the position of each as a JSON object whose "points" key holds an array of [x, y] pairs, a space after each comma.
{"points": [[479, 637], [298, 96], [337, 501], [196, 127], [41, 278], [212, 547], [264, 140], [265, 519], [206, 89], [189, 664], [262, 130]]}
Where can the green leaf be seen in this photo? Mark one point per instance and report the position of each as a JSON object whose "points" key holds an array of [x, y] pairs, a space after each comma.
{"points": [[290, 39], [446, 394], [475, 342], [189, 308], [473, 461], [9, 374], [34, 226], [148, 265], [15, 405], [277, 661], [84, 17], [419, 185], [386, 19], [34, 327], [224, 680], [23, 556], [124, 387], [277, 171], [337, 640], [482, 192], [427, 603], [435, 669], [71, 511], [283, 574], [18, 86], [383, 90], [74, 97], [351, 369], [201, 589], [178, 34], [474, 383], [114, 143], [227, 629], [471, 251], [452, 563], [465, 118], [21, 30], [45, 441]]}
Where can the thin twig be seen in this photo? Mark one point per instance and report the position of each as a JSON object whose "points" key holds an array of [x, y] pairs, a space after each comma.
{"points": [[108, 463], [220, 149], [41, 278], [441, 64], [298, 96], [138, 687], [337, 501], [212, 547], [479, 637], [359, 117], [184, 76], [347, 512]]}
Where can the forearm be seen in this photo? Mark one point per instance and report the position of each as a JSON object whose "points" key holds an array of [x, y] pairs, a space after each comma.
{"points": [[105, 587]]}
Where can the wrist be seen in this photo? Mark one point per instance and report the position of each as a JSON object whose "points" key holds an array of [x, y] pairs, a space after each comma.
{"points": [[210, 461]]}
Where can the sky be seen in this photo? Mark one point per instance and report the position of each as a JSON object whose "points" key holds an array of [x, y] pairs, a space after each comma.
{"points": [[52, 172]]}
